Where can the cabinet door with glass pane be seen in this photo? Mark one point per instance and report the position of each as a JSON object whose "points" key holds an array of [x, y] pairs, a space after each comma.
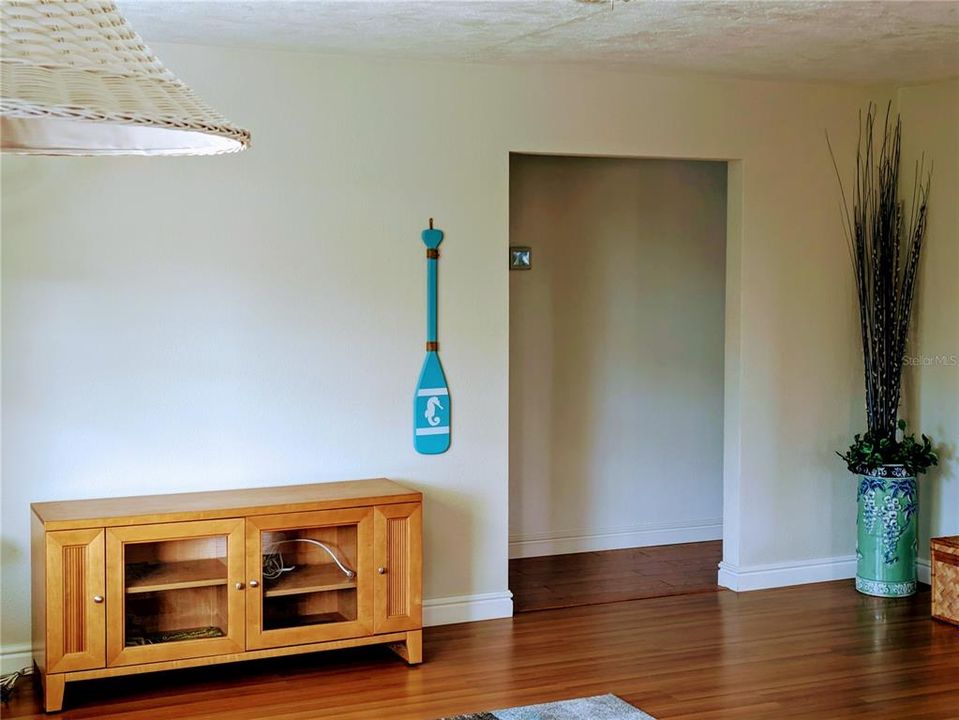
{"points": [[310, 577], [175, 591]]}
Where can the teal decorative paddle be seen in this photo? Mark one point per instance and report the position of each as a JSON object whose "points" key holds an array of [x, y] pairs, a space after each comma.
{"points": [[431, 406]]}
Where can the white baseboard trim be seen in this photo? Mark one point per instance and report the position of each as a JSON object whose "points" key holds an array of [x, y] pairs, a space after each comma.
{"points": [[467, 608], [15, 657], [562, 543], [762, 577]]}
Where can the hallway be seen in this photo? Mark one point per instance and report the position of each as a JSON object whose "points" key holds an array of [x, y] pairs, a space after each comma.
{"points": [[593, 578]]}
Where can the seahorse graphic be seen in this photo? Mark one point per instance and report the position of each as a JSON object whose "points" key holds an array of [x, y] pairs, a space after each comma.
{"points": [[431, 405]]}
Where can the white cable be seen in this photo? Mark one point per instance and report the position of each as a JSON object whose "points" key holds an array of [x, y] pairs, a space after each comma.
{"points": [[274, 572]]}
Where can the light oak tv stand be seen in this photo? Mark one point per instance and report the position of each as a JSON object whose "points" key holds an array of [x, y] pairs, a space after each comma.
{"points": [[139, 584]]}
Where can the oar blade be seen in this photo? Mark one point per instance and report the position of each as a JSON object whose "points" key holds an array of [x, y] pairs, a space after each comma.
{"points": [[431, 409]]}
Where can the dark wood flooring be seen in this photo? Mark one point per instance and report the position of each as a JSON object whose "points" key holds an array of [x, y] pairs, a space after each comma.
{"points": [[815, 652], [591, 578]]}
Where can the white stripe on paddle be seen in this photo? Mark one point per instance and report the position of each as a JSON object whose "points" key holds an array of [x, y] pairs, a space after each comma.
{"points": [[445, 430], [427, 392]]}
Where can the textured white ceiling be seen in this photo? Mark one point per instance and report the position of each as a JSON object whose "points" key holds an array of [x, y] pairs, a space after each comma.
{"points": [[793, 39]]}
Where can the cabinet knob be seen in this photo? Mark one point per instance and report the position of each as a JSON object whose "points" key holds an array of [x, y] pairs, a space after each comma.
{"points": [[254, 583], [98, 599], [381, 571], [239, 586]]}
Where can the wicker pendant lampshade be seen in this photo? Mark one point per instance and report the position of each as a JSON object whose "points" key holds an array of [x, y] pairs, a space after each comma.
{"points": [[77, 80]]}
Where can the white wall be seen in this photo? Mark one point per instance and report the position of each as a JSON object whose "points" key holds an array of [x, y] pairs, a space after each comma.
{"points": [[930, 117], [616, 353], [178, 324]]}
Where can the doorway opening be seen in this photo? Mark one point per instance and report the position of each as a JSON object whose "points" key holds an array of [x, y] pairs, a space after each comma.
{"points": [[616, 378]]}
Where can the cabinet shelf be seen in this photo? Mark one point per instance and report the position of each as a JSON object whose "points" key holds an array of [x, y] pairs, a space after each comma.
{"points": [[310, 579], [149, 577], [198, 633], [310, 620]]}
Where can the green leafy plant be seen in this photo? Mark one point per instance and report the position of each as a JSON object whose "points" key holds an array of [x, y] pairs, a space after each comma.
{"points": [[868, 453]]}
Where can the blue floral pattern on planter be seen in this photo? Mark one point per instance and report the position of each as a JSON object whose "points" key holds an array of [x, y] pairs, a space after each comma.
{"points": [[888, 504], [889, 471], [891, 529], [883, 589], [867, 495]]}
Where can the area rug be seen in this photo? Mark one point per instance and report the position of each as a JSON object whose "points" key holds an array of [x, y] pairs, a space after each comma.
{"points": [[600, 707]]}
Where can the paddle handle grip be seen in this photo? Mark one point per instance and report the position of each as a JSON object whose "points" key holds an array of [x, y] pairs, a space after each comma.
{"points": [[432, 257]]}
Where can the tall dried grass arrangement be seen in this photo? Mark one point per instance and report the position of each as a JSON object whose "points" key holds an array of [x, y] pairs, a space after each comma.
{"points": [[885, 246]]}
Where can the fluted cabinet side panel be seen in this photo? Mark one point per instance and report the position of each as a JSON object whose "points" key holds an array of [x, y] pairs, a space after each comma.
{"points": [[398, 596], [74, 592], [398, 599], [75, 617]]}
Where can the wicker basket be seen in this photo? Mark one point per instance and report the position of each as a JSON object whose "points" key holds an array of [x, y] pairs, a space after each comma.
{"points": [[945, 579]]}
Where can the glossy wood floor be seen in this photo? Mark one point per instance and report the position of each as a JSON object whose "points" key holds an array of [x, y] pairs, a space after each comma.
{"points": [[591, 578], [820, 652]]}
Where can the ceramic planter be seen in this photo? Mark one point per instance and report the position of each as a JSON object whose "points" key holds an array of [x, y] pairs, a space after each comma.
{"points": [[887, 541]]}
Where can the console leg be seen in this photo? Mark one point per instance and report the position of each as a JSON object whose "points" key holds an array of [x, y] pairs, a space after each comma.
{"points": [[53, 686], [411, 649]]}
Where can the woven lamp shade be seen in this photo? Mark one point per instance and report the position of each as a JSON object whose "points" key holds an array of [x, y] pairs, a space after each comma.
{"points": [[77, 80]]}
